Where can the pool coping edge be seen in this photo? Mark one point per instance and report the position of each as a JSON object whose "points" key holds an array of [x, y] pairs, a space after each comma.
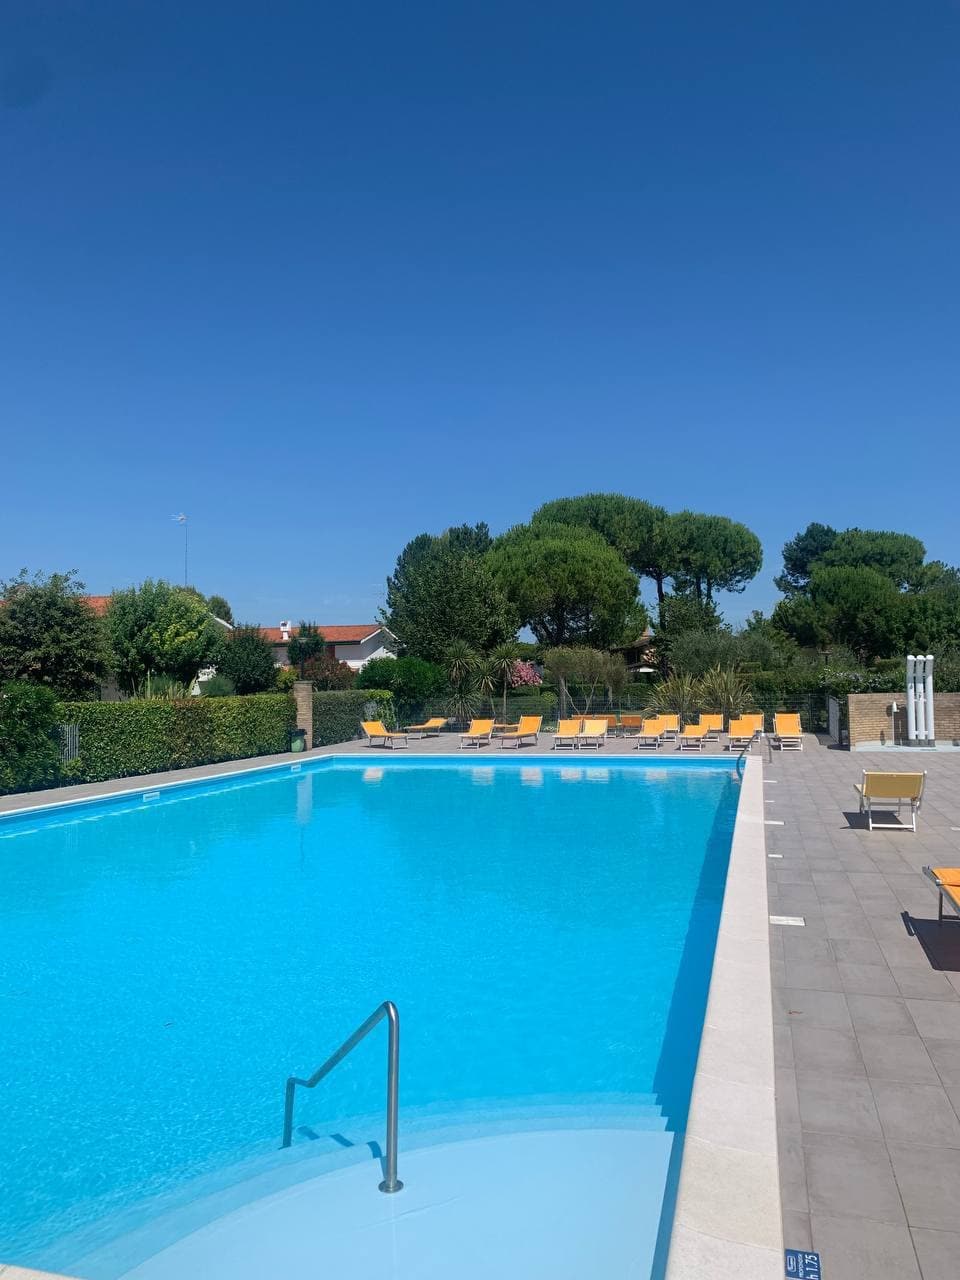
{"points": [[727, 1213]]}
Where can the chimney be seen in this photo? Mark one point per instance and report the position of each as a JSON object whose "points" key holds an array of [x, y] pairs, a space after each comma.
{"points": [[285, 630]]}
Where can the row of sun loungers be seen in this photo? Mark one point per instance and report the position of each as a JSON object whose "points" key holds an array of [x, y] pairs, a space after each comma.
{"points": [[592, 731]]}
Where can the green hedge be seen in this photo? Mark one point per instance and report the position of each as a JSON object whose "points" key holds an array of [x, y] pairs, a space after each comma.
{"points": [[337, 713], [29, 743], [118, 739]]}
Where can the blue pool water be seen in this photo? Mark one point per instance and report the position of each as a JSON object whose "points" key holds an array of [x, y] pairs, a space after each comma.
{"points": [[546, 929]]}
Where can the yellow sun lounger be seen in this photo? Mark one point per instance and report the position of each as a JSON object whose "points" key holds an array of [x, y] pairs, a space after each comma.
{"points": [[568, 731], [478, 734], [947, 880], [743, 731], [713, 723], [433, 725], [593, 733], [882, 789], [650, 735], [692, 737], [375, 729], [787, 732], [528, 727], [671, 724]]}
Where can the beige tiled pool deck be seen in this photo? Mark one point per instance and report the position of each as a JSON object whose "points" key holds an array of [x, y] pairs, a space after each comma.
{"points": [[866, 1005]]}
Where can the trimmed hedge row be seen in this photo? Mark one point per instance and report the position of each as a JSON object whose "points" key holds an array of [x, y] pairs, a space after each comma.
{"points": [[119, 739], [337, 713]]}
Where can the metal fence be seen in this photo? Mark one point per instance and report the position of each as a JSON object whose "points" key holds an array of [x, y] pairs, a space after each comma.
{"points": [[69, 742]]}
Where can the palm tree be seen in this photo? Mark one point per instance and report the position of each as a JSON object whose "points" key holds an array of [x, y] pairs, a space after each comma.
{"points": [[501, 660], [724, 691], [461, 662], [678, 694], [485, 679]]}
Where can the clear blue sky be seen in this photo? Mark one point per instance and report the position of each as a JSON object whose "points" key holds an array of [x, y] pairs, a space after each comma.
{"points": [[323, 276]]}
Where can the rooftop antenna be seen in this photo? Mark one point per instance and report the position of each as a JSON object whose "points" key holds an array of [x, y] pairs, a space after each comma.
{"points": [[182, 519]]}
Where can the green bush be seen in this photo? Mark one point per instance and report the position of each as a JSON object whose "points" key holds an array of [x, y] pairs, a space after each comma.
{"points": [[29, 745], [217, 686], [119, 739], [337, 713]]}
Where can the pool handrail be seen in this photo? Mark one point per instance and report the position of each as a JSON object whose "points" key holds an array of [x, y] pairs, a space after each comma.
{"points": [[386, 1010]]}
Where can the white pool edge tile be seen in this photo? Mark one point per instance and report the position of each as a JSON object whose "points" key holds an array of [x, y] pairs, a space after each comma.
{"points": [[729, 1189]]}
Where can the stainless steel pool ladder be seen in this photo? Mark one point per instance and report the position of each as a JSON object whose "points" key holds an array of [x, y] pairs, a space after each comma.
{"points": [[386, 1010]]}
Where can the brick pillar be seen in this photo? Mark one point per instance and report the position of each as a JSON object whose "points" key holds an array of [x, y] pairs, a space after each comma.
{"points": [[303, 697]]}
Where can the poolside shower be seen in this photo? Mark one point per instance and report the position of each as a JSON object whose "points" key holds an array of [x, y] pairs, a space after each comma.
{"points": [[920, 726]]}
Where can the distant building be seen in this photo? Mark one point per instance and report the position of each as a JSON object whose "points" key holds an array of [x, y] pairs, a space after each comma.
{"points": [[354, 644]]}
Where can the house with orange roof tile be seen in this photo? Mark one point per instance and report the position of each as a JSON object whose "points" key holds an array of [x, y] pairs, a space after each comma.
{"points": [[353, 643]]}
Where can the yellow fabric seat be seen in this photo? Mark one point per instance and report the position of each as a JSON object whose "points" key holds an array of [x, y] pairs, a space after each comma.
{"points": [[376, 729], [947, 880], [433, 725], [743, 731], [787, 731], [650, 734], [692, 737], [567, 734], [593, 733], [883, 788], [529, 727], [478, 735]]}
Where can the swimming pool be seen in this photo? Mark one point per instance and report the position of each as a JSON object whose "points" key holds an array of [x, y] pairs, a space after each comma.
{"points": [[546, 929]]}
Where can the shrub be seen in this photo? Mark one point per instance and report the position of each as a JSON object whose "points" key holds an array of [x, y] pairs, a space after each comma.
{"points": [[677, 695], [723, 691], [327, 672], [378, 673], [337, 713], [285, 679], [119, 739], [217, 686], [29, 747], [247, 660]]}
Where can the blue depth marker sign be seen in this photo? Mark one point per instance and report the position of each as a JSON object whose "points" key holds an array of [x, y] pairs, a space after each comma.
{"points": [[801, 1264]]}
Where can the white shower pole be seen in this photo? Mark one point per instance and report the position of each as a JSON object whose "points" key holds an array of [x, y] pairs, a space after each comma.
{"points": [[911, 701], [921, 706], [928, 689]]}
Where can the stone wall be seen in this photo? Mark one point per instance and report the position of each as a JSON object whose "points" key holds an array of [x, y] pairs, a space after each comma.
{"points": [[871, 720]]}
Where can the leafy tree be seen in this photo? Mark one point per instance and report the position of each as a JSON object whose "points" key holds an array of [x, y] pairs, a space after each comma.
{"points": [[712, 553], [465, 539], [929, 622], [306, 644], [29, 746], [378, 673], [634, 528], [897, 556], [681, 614], [219, 607], [50, 636], [697, 652], [855, 607], [474, 539], [801, 553], [444, 594], [247, 661], [580, 672], [327, 672], [566, 583], [156, 629]]}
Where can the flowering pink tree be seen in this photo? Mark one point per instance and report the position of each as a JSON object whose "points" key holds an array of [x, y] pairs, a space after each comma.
{"points": [[524, 673]]}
